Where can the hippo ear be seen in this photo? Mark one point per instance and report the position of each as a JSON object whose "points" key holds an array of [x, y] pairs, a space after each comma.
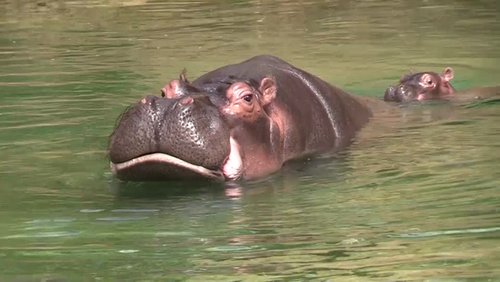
{"points": [[268, 89], [183, 77], [447, 74]]}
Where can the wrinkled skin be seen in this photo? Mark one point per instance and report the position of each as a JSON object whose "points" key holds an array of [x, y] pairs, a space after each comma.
{"points": [[422, 86], [241, 121]]}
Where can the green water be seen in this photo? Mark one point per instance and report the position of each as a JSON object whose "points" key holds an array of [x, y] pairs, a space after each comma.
{"points": [[415, 198]]}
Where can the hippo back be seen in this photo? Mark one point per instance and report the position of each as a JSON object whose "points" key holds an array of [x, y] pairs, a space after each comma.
{"points": [[325, 116]]}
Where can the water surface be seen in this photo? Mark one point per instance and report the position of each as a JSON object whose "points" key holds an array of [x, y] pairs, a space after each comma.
{"points": [[415, 198]]}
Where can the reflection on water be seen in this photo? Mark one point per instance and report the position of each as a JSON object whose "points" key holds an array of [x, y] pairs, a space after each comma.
{"points": [[416, 196]]}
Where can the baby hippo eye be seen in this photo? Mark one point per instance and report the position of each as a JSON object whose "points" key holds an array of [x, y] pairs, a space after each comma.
{"points": [[248, 98], [427, 80]]}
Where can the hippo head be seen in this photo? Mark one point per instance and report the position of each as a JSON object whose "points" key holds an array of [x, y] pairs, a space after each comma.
{"points": [[422, 86], [192, 132]]}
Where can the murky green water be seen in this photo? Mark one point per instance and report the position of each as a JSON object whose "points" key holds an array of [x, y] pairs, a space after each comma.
{"points": [[414, 199]]}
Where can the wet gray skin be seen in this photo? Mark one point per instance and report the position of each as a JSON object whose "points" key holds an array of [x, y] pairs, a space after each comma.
{"points": [[400, 93]]}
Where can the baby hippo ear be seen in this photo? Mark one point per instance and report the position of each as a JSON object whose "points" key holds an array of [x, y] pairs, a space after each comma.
{"points": [[268, 89], [447, 74]]}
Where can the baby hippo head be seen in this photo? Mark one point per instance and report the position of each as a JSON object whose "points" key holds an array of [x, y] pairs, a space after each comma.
{"points": [[422, 86]]}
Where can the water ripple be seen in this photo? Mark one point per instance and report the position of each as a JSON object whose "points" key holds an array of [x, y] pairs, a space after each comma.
{"points": [[446, 232]]}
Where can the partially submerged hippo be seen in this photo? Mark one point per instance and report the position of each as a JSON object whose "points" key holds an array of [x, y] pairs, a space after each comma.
{"points": [[422, 86], [241, 121], [429, 85]]}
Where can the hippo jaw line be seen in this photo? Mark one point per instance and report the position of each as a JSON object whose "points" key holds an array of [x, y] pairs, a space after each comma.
{"points": [[167, 160], [231, 170]]}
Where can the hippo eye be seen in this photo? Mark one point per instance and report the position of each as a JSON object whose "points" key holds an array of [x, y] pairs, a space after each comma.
{"points": [[429, 81], [248, 98]]}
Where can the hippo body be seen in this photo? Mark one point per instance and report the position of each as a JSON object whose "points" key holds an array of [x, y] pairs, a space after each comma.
{"points": [[241, 121]]}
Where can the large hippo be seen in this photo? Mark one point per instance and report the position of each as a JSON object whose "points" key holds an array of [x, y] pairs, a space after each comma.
{"points": [[430, 85], [241, 121]]}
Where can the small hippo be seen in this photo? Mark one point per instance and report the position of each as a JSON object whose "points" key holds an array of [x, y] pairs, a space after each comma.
{"points": [[241, 121], [422, 86], [433, 86]]}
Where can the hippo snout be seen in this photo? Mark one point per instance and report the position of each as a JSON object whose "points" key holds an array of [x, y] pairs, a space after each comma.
{"points": [[164, 138], [400, 93], [390, 94]]}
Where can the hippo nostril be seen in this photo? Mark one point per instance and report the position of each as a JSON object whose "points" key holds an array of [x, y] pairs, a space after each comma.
{"points": [[186, 101], [148, 100]]}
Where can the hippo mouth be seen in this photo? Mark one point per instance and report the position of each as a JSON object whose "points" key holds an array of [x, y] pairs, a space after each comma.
{"points": [[161, 166]]}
